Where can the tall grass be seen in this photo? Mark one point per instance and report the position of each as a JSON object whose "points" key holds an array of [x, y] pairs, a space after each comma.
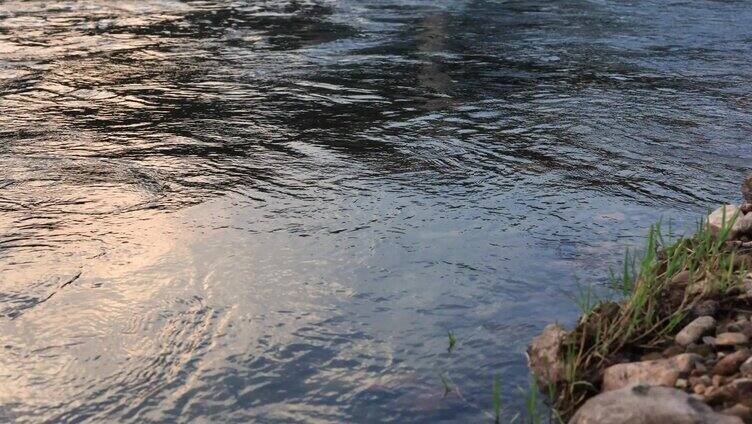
{"points": [[496, 393], [654, 304], [452, 341]]}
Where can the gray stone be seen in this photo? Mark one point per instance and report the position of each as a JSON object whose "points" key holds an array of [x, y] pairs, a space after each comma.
{"points": [[544, 355], [694, 330], [648, 405], [663, 372]]}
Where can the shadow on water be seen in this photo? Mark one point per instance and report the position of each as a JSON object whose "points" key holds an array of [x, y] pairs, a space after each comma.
{"points": [[274, 211]]}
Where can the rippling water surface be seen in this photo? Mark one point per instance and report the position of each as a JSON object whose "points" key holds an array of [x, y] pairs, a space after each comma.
{"points": [[274, 211]]}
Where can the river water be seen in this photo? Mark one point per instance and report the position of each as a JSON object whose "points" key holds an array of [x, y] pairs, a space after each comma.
{"points": [[275, 211]]}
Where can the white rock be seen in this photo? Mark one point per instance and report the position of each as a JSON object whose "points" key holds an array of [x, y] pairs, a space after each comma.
{"points": [[648, 405]]}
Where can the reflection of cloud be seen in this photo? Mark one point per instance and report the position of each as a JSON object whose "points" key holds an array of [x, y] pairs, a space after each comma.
{"points": [[174, 317], [55, 346], [41, 244]]}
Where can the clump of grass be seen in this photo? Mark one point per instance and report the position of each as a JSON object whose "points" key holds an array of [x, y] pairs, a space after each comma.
{"points": [[447, 383], [585, 298], [624, 284], [655, 304], [452, 341], [532, 407], [496, 400]]}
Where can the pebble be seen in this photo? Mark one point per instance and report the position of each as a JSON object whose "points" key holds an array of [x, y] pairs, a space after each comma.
{"points": [[718, 396], [746, 367], [700, 349], [745, 327], [694, 330], [717, 380], [731, 339], [702, 379], [681, 383], [731, 363], [742, 388], [699, 389], [708, 340]]}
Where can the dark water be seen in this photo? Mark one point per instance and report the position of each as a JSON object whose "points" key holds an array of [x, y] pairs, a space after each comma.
{"points": [[274, 211]]}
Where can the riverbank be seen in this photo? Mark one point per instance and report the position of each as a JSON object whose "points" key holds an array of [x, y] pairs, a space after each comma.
{"points": [[676, 348]]}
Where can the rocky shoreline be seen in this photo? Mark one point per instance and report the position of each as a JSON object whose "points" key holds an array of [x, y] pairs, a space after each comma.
{"points": [[676, 349]]}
